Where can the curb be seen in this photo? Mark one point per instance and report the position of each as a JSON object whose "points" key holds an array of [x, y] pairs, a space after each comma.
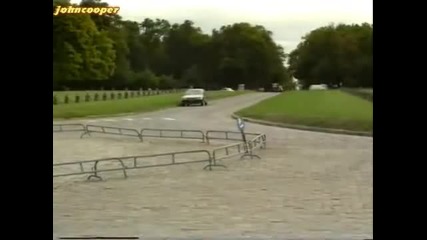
{"points": [[306, 128]]}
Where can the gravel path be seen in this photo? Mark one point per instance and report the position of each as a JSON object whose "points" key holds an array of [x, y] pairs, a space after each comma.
{"points": [[308, 185]]}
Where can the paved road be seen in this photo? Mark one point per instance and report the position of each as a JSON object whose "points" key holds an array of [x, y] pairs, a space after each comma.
{"points": [[307, 185]]}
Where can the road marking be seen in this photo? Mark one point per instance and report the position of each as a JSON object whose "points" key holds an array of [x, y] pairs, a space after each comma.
{"points": [[129, 119], [169, 119], [146, 119], [109, 120]]}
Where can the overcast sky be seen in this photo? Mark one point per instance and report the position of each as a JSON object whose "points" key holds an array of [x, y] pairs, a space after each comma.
{"points": [[289, 20]]}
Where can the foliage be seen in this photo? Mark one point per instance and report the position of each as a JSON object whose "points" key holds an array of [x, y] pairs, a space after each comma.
{"points": [[335, 55], [94, 52], [108, 52]]}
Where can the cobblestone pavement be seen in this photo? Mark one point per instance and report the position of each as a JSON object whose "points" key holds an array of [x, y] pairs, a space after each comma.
{"points": [[307, 185]]}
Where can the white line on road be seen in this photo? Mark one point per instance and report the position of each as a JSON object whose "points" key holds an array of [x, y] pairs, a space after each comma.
{"points": [[129, 119], [169, 119], [146, 119]]}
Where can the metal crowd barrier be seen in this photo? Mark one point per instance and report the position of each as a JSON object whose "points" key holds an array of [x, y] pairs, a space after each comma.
{"points": [[173, 133], [260, 140], [242, 148], [111, 130], [72, 127], [228, 151], [134, 163], [227, 135]]}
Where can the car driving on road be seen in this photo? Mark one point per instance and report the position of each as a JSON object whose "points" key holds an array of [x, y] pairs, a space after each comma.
{"points": [[194, 96]]}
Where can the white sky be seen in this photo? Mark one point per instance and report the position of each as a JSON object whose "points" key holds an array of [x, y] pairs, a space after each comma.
{"points": [[289, 20]]}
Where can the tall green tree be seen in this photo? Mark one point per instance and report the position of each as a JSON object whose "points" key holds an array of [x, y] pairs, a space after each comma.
{"points": [[248, 54], [93, 51], [80, 51], [335, 55]]}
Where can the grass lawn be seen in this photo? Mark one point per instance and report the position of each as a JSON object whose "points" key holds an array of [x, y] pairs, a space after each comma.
{"points": [[329, 109], [365, 93], [140, 104], [72, 95]]}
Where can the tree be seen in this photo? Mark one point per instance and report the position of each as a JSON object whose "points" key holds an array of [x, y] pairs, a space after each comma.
{"points": [[92, 51], [335, 55], [248, 54], [184, 46], [80, 51]]}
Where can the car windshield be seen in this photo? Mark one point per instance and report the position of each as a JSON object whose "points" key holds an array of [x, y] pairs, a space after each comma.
{"points": [[194, 92]]}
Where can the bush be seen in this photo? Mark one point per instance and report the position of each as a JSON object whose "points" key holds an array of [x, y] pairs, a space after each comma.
{"points": [[167, 82], [119, 95], [96, 97], [132, 94], [87, 97], [55, 100], [146, 79], [104, 96], [66, 99], [112, 96], [126, 94], [77, 99]]}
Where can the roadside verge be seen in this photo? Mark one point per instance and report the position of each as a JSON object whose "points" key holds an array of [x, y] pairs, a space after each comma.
{"points": [[306, 128]]}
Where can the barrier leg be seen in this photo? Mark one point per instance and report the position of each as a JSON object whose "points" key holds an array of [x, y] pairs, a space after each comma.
{"points": [[95, 172], [94, 176], [212, 163], [249, 152], [210, 166], [86, 132]]}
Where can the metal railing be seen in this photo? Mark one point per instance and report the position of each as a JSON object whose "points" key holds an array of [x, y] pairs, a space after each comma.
{"points": [[71, 127], [94, 168], [245, 149], [111, 130], [260, 140], [173, 133], [154, 132], [226, 135], [134, 163], [239, 148]]}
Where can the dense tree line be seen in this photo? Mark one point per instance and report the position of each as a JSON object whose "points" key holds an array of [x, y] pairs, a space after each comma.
{"points": [[338, 55], [94, 52]]}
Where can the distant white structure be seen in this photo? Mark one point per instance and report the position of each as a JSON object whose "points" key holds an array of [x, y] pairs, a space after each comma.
{"points": [[228, 89], [318, 87], [241, 87], [297, 84]]}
